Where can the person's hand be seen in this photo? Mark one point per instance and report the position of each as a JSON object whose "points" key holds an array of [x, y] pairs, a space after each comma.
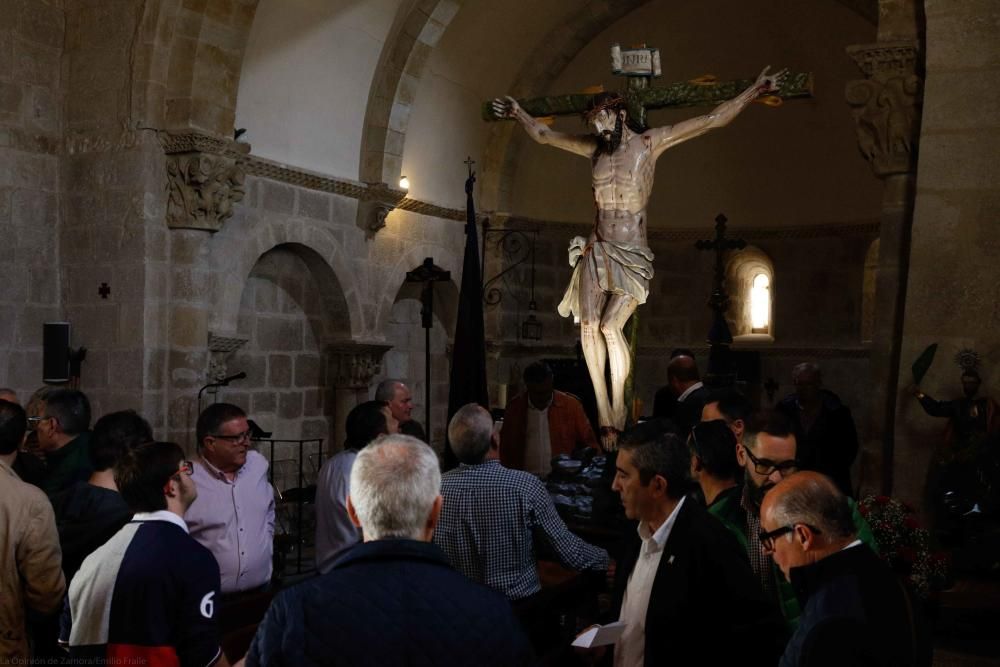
{"points": [[506, 107], [769, 83]]}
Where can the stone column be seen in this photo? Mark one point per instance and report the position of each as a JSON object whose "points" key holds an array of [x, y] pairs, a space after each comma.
{"points": [[886, 106], [352, 366], [205, 177]]}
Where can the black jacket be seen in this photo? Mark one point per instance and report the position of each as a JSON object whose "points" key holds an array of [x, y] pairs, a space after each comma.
{"points": [[855, 611], [706, 606], [831, 444]]}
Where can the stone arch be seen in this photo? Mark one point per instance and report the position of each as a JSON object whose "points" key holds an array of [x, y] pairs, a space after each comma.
{"points": [[869, 281], [742, 269], [394, 87], [238, 248], [187, 63]]}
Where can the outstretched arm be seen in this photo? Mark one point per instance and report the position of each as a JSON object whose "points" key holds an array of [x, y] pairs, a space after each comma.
{"points": [[671, 135], [581, 144]]}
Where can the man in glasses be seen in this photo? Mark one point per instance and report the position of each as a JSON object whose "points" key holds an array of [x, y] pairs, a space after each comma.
{"points": [[855, 610], [148, 595], [683, 587], [63, 431], [767, 455], [234, 513]]}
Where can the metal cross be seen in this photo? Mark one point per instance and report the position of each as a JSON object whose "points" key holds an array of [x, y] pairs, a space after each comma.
{"points": [[104, 290], [720, 244]]}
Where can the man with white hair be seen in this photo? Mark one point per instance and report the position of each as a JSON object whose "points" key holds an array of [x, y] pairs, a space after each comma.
{"points": [[392, 600], [491, 515]]}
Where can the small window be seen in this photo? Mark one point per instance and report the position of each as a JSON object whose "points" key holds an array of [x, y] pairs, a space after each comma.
{"points": [[750, 284], [760, 303]]}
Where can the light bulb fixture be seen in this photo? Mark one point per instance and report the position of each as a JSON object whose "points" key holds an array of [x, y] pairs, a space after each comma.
{"points": [[404, 183]]}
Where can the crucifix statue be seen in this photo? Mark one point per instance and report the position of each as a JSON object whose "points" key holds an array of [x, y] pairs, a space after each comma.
{"points": [[613, 266]]}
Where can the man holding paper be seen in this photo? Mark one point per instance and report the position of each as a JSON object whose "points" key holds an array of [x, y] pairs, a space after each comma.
{"points": [[684, 577]]}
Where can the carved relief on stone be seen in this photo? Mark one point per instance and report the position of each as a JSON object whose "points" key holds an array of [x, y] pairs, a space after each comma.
{"points": [[220, 349], [205, 177], [355, 365], [886, 105], [377, 202]]}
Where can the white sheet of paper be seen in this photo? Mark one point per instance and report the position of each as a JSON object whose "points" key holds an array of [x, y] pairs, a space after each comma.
{"points": [[600, 635]]}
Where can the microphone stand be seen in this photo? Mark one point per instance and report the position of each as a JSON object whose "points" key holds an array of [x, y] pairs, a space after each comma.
{"points": [[224, 382]]}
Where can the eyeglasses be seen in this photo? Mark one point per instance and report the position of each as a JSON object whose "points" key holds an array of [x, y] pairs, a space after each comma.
{"points": [[33, 422], [238, 438], [766, 467], [185, 467], [767, 538]]}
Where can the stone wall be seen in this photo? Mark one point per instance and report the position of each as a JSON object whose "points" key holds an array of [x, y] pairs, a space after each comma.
{"points": [[291, 273], [31, 93], [817, 294], [952, 296]]}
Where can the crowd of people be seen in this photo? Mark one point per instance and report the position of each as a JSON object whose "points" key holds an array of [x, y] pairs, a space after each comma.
{"points": [[741, 546]]}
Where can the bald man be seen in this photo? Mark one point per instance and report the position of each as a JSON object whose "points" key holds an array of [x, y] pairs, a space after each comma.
{"points": [[855, 610]]}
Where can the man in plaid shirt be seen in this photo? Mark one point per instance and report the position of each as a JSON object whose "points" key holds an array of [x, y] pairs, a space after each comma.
{"points": [[490, 514]]}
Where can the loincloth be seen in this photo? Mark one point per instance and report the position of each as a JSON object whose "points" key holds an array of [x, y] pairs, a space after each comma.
{"points": [[619, 268]]}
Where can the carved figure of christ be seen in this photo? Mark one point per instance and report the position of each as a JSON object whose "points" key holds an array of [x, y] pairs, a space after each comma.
{"points": [[612, 267]]}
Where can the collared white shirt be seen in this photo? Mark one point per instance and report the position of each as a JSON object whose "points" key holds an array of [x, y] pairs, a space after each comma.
{"points": [[162, 515], [537, 441], [687, 392], [234, 519], [630, 650]]}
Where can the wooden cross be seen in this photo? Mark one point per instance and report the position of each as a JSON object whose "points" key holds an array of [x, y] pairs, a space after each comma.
{"points": [[640, 96], [104, 290], [719, 301]]}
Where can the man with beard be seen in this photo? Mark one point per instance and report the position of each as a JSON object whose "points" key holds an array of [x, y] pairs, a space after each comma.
{"points": [[614, 265], [767, 455]]}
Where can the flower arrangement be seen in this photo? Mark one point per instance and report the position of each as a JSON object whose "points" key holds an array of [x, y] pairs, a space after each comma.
{"points": [[904, 544]]}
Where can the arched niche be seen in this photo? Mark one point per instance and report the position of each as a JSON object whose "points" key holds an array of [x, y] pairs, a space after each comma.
{"points": [[868, 283], [750, 282], [291, 306], [406, 360]]}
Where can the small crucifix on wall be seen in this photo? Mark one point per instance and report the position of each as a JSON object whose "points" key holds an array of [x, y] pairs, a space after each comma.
{"points": [[104, 290]]}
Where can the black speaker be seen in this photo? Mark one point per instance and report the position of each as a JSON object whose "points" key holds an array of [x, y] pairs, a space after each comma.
{"points": [[55, 352]]}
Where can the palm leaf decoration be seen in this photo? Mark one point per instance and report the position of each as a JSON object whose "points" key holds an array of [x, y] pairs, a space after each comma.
{"points": [[923, 363]]}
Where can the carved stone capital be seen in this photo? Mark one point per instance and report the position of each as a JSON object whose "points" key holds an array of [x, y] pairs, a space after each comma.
{"points": [[355, 365], [884, 59], [205, 177], [886, 105], [377, 201], [220, 348]]}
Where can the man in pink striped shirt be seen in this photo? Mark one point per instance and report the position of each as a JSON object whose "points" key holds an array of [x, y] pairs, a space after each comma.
{"points": [[233, 515]]}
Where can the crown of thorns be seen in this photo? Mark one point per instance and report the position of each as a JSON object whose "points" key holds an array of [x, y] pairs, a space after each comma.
{"points": [[613, 102]]}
